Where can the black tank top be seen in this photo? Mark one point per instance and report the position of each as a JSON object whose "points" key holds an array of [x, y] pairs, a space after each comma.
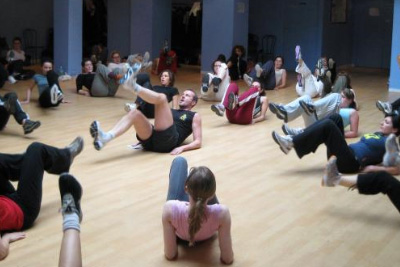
{"points": [[183, 120]]}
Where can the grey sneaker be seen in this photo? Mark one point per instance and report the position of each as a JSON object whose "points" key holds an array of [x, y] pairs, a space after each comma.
{"points": [[331, 175], [279, 111], [385, 107], [29, 126], [76, 147], [248, 80], [391, 157], [291, 131], [218, 109], [285, 142], [232, 101], [71, 194]]}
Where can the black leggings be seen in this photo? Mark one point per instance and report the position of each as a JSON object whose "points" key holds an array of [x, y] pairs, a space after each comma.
{"points": [[328, 131], [380, 182], [28, 170], [19, 114], [45, 99]]}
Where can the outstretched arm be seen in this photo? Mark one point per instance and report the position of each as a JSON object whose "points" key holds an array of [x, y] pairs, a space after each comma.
{"points": [[28, 94], [197, 137], [375, 168], [5, 241], [264, 107], [224, 237]]}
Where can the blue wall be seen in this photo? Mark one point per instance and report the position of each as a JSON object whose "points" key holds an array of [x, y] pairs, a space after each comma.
{"points": [[372, 35], [293, 22], [394, 83], [119, 29], [224, 26], [68, 35], [337, 41]]}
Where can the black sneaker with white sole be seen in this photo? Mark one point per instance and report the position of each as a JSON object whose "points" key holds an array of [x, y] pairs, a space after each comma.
{"points": [[71, 194]]}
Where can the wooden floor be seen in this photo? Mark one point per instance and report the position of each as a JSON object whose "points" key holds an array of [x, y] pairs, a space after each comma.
{"points": [[281, 215]]}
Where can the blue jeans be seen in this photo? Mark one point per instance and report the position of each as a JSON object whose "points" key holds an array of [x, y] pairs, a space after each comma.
{"points": [[177, 179]]}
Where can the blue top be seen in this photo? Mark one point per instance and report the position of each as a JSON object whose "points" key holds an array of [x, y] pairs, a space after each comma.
{"points": [[370, 149], [345, 114], [41, 82]]}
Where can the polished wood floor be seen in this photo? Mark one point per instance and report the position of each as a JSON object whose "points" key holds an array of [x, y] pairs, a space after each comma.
{"points": [[281, 215]]}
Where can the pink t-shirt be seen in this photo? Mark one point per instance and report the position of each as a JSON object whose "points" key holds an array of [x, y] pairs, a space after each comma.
{"points": [[180, 214]]}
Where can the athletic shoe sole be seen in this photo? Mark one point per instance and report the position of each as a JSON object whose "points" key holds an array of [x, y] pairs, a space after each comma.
{"points": [[277, 140], [277, 111], [217, 110], [94, 132]]}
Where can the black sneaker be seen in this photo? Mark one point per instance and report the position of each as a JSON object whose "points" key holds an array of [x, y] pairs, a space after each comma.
{"points": [[204, 83], [10, 104], [71, 194], [279, 111], [29, 126], [76, 147], [216, 82], [309, 109]]}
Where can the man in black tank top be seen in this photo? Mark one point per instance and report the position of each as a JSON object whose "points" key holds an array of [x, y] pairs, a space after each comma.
{"points": [[170, 129]]}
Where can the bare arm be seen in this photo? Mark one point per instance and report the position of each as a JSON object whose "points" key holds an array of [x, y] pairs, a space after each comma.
{"points": [[175, 102], [28, 94], [376, 168], [5, 241], [354, 119], [224, 237], [264, 107], [197, 137], [170, 245], [283, 83]]}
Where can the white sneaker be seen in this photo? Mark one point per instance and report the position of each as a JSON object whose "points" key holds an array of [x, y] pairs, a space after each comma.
{"points": [[391, 157], [129, 106], [385, 107], [285, 142], [248, 80], [218, 109], [11, 79], [331, 175], [291, 131], [259, 70]]}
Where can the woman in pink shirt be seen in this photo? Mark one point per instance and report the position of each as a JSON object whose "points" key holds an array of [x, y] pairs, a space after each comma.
{"points": [[192, 211]]}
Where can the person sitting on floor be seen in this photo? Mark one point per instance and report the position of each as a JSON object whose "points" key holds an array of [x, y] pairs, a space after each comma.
{"points": [[171, 127], [248, 108]]}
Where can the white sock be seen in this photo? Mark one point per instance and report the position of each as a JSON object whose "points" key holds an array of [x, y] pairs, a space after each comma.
{"points": [[106, 137], [71, 221]]}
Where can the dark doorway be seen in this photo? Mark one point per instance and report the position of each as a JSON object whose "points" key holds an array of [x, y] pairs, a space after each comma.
{"points": [[94, 25], [186, 31]]}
